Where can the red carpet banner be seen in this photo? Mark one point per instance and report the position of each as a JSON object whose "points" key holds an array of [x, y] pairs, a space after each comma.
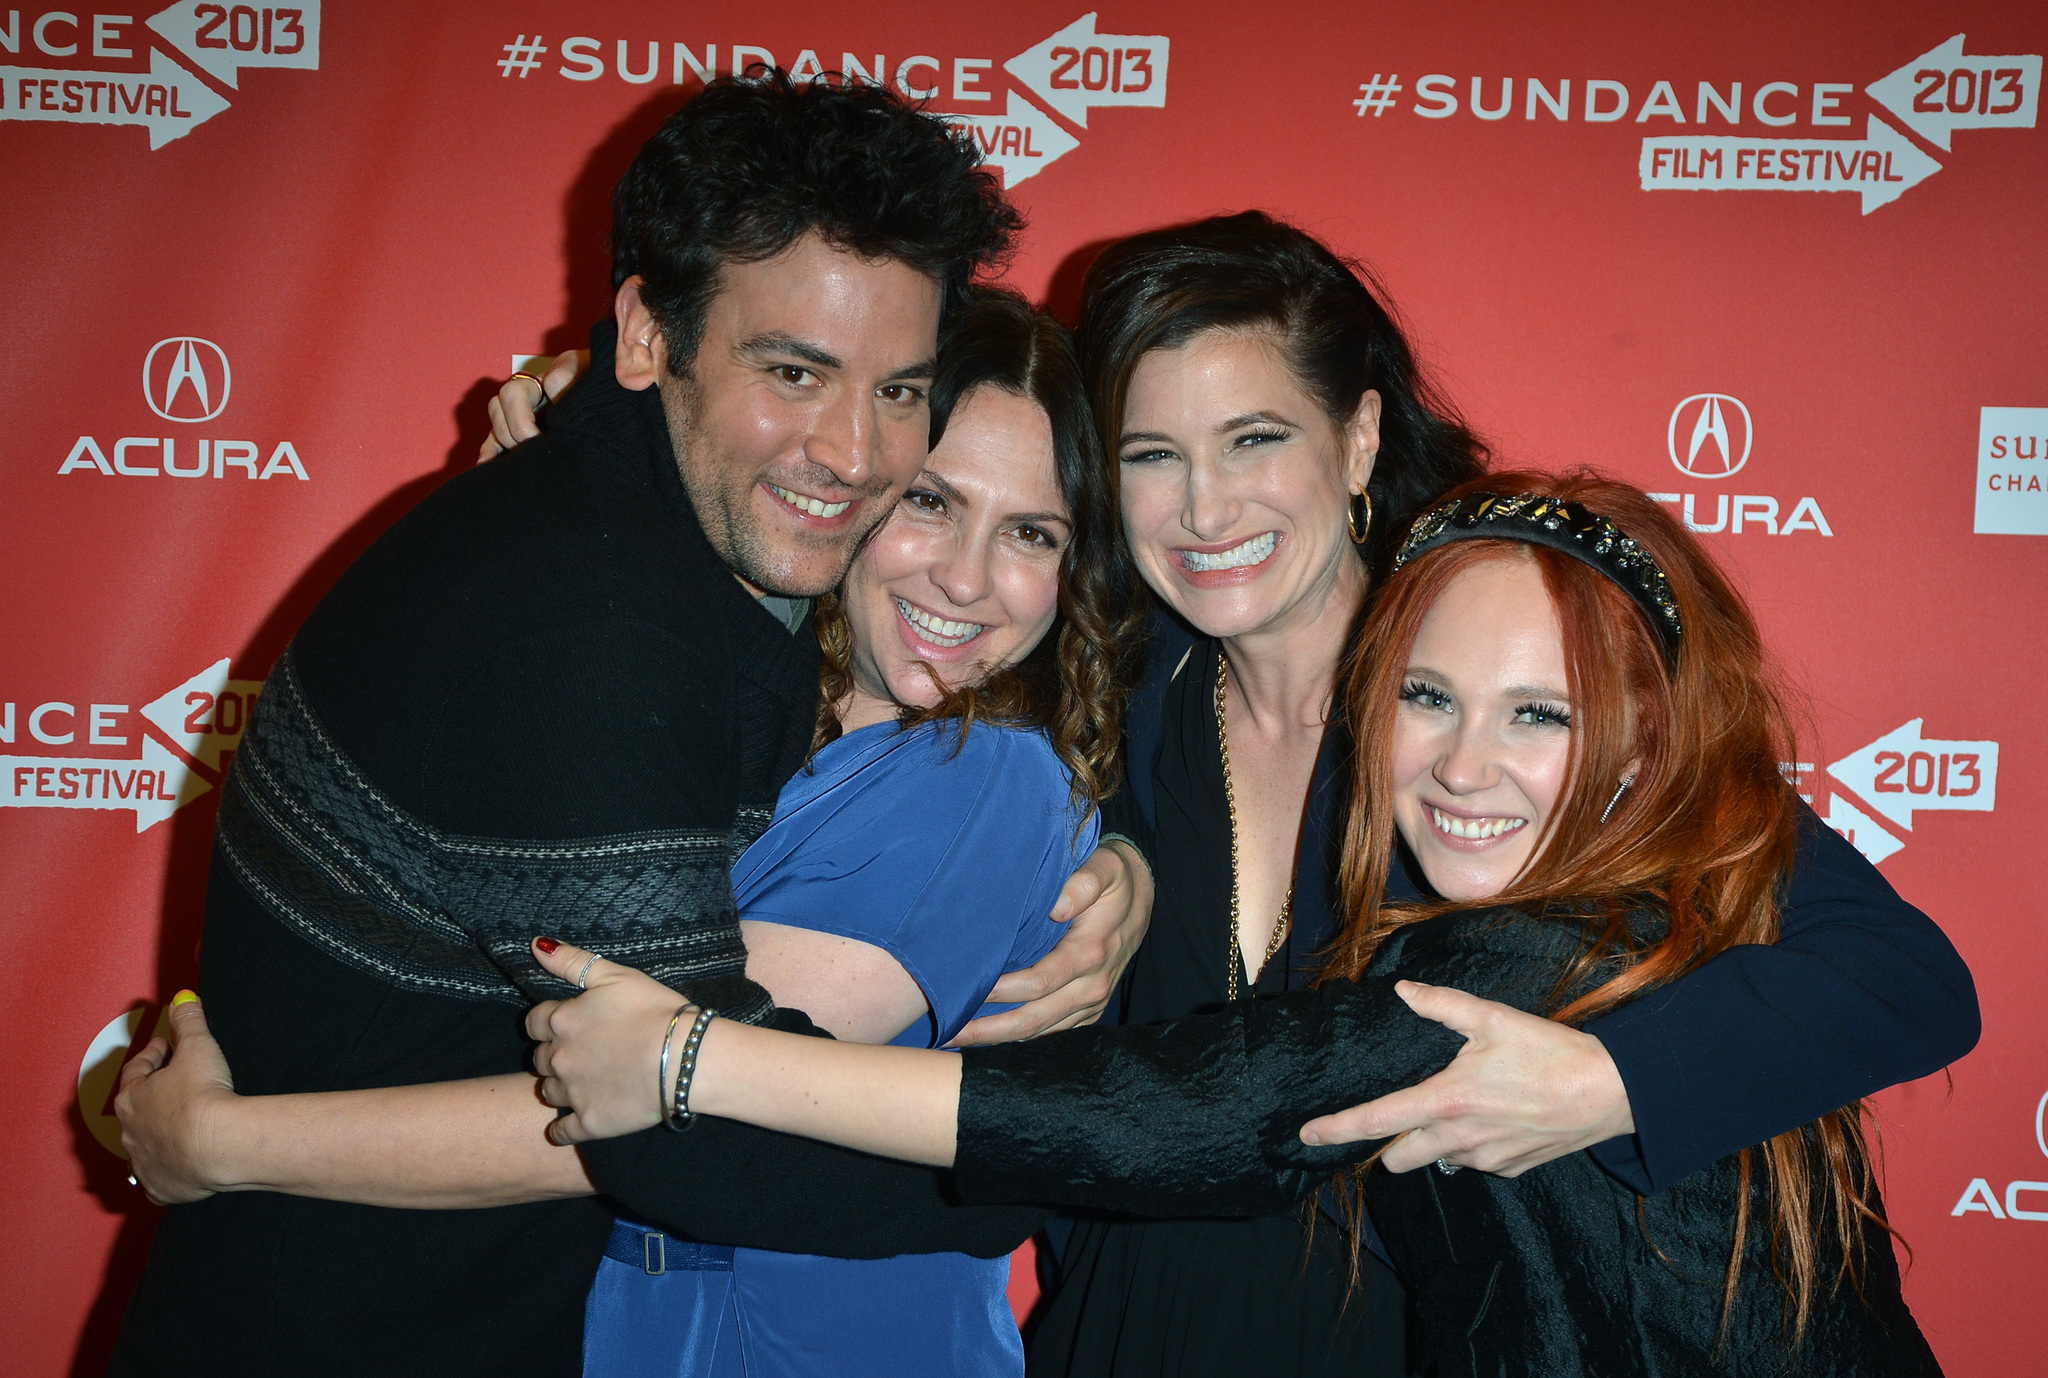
{"points": [[264, 266]]}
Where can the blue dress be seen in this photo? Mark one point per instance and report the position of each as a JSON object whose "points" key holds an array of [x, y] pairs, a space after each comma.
{"points": [[949, 855]]}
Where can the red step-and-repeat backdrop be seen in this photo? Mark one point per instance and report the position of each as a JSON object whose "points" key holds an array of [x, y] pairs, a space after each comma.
{"points": [[265, 264]]}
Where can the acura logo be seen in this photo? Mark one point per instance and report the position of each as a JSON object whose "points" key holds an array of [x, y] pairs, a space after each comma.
{"points": [[186, 379], [1716, 431]]}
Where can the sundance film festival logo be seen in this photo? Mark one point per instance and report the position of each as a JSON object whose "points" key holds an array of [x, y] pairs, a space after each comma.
{"points": [[1709, 438], [154, 82], [1904, 773], [2020, 1200], [188, 380], [1073, 72], [1927, 99], [153, 760]]}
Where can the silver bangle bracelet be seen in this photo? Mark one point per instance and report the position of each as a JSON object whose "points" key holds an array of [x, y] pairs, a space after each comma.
{"points": [[678, 1118], [661, 1081]]}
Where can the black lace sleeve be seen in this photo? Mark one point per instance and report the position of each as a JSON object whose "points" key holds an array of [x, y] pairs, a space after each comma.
{"points": [[1202, 1116]]}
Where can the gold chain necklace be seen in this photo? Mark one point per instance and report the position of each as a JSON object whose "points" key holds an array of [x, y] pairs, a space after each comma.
{"points": [[1230, 798]]}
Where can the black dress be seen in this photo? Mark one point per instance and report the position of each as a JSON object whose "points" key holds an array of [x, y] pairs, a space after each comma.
{"points": [[1265, 1292], [1561, 1271]]}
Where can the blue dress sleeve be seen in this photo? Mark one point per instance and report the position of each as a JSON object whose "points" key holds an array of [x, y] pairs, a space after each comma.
{"points": [[947, 854], [1860, 992]]}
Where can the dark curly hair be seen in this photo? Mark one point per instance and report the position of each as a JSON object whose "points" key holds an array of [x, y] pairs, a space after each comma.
{"points": [[1073, 683], [752, 164], [1160, 289]]}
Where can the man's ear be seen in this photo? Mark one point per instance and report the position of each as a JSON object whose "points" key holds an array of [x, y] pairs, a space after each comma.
{"points": [[1362, 441], [643, 353]]}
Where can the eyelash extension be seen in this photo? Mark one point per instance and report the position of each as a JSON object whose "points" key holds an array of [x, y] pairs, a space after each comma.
{"points": [[1415, 690], [1264, 435], [1561, 716]]}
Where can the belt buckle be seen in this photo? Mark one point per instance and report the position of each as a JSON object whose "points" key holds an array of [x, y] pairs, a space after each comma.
{"points": [[654, 1254]]}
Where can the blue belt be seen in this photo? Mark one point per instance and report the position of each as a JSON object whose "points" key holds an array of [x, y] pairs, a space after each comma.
{"points": [[655, 1253]]}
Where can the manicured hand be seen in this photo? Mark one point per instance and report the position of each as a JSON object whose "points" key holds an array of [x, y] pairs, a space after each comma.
{"points": [[170, 1094], [600, 1053], [1108, 902], [513, 409], [1521, 1092]]}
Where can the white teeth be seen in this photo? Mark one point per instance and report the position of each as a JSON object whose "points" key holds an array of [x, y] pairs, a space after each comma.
{"points": [[1473, 828], [938, 630], [1250, 552], [810, 505]]}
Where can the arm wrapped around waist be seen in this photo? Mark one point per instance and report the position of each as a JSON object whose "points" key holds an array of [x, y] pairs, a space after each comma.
{"points": [[1199, 1117]]}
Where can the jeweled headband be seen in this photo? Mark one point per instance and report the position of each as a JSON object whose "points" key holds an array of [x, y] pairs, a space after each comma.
{"points": [[1562, 525]]}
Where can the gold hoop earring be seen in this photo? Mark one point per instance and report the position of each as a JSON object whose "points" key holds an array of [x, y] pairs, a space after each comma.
{"points": [[1359, 529]]}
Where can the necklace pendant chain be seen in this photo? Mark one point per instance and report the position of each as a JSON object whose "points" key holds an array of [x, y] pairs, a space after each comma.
{"points": [[1286, 918]]}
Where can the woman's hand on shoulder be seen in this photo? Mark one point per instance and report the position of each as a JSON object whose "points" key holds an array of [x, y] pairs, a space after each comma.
{"points": [[515, 409], [600, 1053], [172, 1097]]}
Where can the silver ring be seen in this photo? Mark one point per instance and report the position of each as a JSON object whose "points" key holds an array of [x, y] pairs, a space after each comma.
{"points": [[584, 975], [1447, 1168]]}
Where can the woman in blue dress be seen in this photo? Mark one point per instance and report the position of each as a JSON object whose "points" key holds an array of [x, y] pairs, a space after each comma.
{"points": [[913, 863]]}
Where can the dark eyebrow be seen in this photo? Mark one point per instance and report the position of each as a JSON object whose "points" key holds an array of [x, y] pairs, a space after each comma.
{"points": [[923, 368], [946, 490], [1256, 418], [1154, 436], [953, 495], [778, 342]]}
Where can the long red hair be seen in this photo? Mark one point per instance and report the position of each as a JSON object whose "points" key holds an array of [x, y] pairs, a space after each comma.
{"points": [[1705, 832]]}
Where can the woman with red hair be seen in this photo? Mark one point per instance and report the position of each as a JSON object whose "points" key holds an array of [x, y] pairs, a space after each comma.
{"points": [[1566, 714]]}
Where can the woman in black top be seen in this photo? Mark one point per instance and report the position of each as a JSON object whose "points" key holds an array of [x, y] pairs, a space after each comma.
{"points": [[1581, 754]]}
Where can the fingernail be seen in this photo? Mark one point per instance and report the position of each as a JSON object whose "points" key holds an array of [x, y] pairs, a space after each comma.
{"points": [[547, 945], [1309, 1136], [183, 997]]}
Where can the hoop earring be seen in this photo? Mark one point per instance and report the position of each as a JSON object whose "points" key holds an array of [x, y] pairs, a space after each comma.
{"points": [[1359, 529], [1626, 781]]}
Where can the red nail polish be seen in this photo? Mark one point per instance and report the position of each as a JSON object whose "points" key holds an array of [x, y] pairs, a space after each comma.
{"points": [[547, 945]]}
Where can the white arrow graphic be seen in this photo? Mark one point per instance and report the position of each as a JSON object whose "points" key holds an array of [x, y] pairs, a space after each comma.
{"points": [[207, 714], [222, 40], [170, 102], [1901, 772], [155, 786], [1863, 833], [1881, 166], [1023, 141], [1077, 68], [1943, 90]]}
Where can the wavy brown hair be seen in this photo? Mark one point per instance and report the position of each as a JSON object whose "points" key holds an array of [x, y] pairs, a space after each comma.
{"points": [[1072, 684], [1705, 834]]}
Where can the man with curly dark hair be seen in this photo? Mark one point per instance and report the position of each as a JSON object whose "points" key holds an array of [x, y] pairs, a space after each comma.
{"points": [[604, 648]]}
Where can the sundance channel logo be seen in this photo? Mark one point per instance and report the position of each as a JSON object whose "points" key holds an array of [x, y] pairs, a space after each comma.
{"points": [[187, 380], [2012, 471]]}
